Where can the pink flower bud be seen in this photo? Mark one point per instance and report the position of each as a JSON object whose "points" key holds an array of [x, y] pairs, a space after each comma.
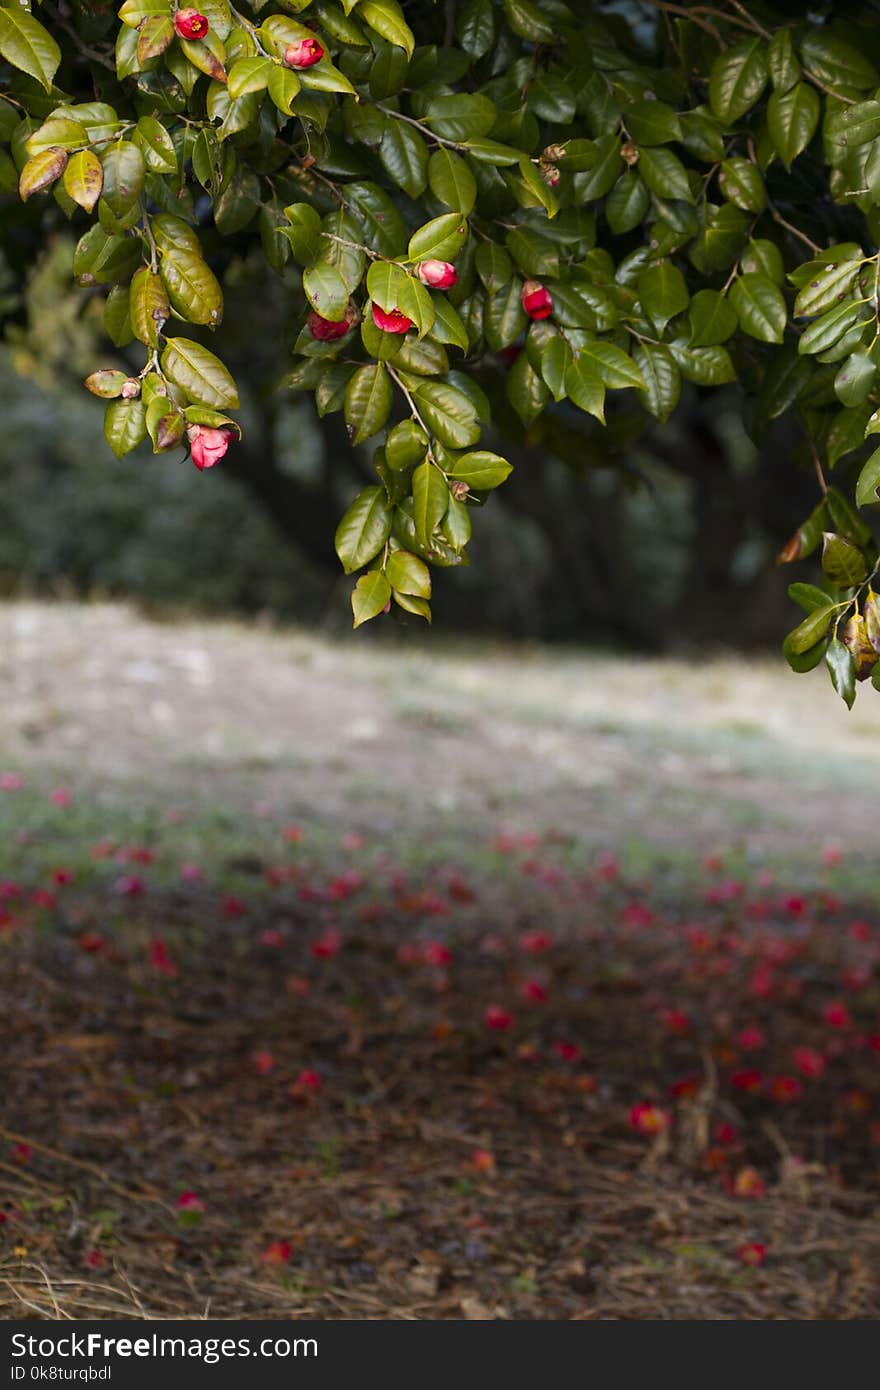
{"points": [[536, 300], [303, 54], [130, 389], [327, 330], [440, 275], [207, 446], [189, 24], [390, 320]]}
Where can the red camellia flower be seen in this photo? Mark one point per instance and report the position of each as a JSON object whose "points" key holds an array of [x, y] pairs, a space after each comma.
{"points": [[726, 1133], [304, 53], [748, 1183], [483, 1160], [440, 275], [677, 1021], [534, 991], [160, 958], [278, 1252], [328, 330], [497, 1018], [837, 1015], [536, 300], [751, 1038], [785, 1089], [390, 320], [752, 1254], [648, 1119], [207, 446], [94, 1259], [307, 1084], [749, 1079], [190, 1201], [809, 1062], [189, 24]]}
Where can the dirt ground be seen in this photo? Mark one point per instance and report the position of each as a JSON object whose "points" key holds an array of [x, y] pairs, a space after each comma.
{"points": [[348, 980]]}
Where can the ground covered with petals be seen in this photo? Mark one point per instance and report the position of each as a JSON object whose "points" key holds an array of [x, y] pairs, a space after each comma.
{"points": [[267, 1055]]}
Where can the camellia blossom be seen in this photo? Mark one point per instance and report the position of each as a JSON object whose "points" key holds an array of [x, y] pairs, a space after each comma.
{"points": [[190, 1201], [189, 24], [440, 275], [752, 1253], [809, 1061], [497, 1019], [278, 1252], [646, 1118], [536, 300], [390, 320], [307, 1084], [328, 330], [207, 445], [303, 53]]}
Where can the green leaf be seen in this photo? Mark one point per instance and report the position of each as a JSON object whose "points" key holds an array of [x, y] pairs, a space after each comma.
{"points": [[665, 175], [199, 374], [868, 485], [527, 21], [652, 123], [765, 256], [826, 284], [155, 145], [125, 425], [848, 430], [505, 318], [842, 561], [368, 398], [407, 574], [430, 500], [370, 597], [284, 87], [481, 470], [813, 628], [707, 366], [385, 17], [364, 529], [100, 259], [585, 387], [712, 320], [124, 172], [829, 328], [612, 365], [662, 292], [448, 413], [741, 183], [326, 291], [248, 75], [662, 379], [448, 326], [836, 63], [303, 232], [406, 445], [785, 70], [738, 77], [627, 203], [842, 671], [59, 132], [451, 181], [760, 307], [808, 596], [148, 306], [27, 46], [855, 379], [792, 118], [192, 287], [556, 358], [404, 155], [475, 28], [493, 266], [442, 238]]}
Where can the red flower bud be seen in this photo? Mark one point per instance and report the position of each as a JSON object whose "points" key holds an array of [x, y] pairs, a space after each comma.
{"points": [[189, 24], [440, 275], [207, 445], [327, 330], [536, 301], [390, 320], [303, 54]]}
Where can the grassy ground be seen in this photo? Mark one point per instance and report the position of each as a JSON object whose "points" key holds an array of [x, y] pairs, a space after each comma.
{"points": [[260, 895]]}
